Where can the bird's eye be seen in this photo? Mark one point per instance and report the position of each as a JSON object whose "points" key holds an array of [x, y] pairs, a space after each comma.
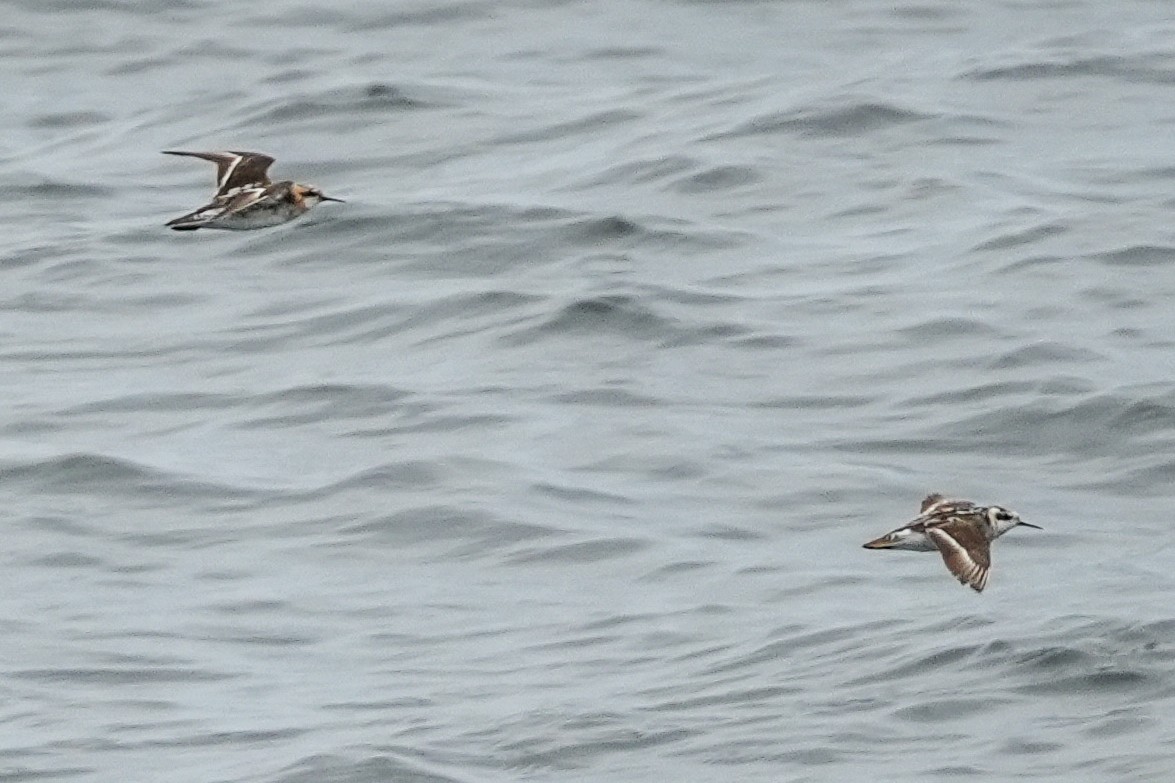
{"points": [[1003, 515]]}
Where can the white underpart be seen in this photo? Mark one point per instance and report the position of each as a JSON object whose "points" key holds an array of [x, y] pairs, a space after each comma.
{"points": [[250, 219], [905, 538]]}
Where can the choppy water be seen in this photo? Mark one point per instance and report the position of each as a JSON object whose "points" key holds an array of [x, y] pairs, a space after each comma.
{"points": [[549, 455]]}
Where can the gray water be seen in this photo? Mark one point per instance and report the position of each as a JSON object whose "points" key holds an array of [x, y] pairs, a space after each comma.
{"points": [[549, 455]]}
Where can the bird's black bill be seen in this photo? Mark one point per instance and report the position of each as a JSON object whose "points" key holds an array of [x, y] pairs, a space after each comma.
{"points": [[1029, 524], [328, 198]]}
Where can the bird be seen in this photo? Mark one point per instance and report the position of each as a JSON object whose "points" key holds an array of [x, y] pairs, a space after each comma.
{"points": [[960, 531], [245, 197]]}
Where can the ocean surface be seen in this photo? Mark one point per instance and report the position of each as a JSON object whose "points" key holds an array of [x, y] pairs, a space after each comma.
{"points": [[549, 455]]}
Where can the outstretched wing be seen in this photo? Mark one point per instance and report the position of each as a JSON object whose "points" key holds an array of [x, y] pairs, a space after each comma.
{"points": [[234, 170], [219, 207], [965, 550]]}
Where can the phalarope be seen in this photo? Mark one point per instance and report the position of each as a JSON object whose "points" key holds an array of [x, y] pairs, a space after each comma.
{"points": [[245, 198], [960, 530]]}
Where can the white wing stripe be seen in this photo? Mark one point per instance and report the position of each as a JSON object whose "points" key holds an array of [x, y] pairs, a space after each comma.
{"points": [[228, 171]]}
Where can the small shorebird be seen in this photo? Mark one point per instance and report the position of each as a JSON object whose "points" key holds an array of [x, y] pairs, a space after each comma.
{"points": [[960, 530], [245, 198]]}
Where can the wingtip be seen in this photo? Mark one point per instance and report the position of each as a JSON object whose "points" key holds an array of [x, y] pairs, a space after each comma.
{"points": [[180, 225], [933, 499], [976, 581]]}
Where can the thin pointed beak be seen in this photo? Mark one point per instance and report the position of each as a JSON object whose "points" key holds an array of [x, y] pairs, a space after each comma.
{"points": [[329, 198], [1029, 524]]}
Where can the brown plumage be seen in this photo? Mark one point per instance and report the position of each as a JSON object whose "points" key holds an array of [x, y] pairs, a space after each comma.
{"points": [[245, 198], [965, 550], [234, 170], [959, 530]]}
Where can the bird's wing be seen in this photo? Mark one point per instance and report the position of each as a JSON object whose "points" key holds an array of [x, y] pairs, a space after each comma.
{"points": [[218, 207], [931, 500], [245, 197], [965, 550], [234, 170]]}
